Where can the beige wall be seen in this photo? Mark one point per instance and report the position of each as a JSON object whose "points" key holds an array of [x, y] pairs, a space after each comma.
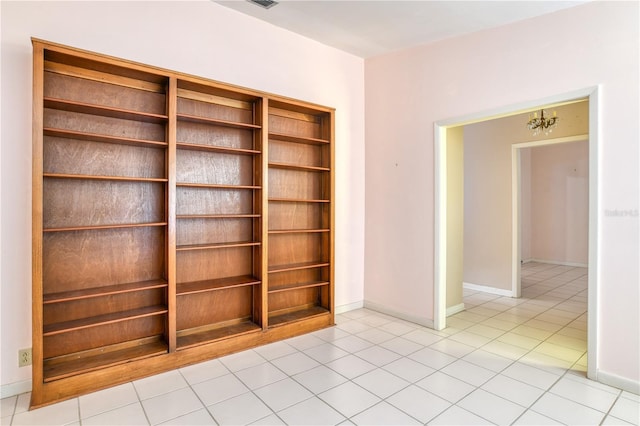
{"points": [[560, 203], [455, 216], [488, 191], [594, 44]]}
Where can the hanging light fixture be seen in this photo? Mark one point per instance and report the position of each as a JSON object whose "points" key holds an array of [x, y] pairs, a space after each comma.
{"points": [[542, 124]]}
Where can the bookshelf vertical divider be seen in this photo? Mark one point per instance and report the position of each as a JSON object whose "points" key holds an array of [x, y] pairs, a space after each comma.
{"points": [[172, 106], [175, 219]]}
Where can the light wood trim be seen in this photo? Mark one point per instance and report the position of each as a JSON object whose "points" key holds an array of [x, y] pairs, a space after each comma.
{"points": [[93, 137], [216, 186], [172, 109], [264, 172], [214, 148], [216, 284], [213, 99], [97, 321], [332, 214], [103, 77], [37, 225], [294, 114], [218, 245], [102, 177], [88, 293], [95, 227]]}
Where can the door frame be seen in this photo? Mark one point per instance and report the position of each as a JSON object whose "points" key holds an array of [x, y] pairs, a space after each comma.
{"points": [[516, 207], [440, 220]]}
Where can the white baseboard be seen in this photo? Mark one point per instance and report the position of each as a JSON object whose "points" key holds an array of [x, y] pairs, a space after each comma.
{"points": [[555, 262], [349, 307], [16, 388], [452, 310], [623, 383], [427, 322], [487, 289]]}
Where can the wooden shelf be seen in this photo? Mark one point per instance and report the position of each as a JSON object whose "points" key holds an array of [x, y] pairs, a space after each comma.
{"points": [[296, 200], [67, 296], [216, 284], [104, 111], [278, 319], [67, 326], [299, 167], [297, 286], [216, 186], [187, 340], [297, 267], [217, 245], [96, 177], [217, 216], [95, 227], [94, 137], [298, 231], [56, 369], [217, 122], [220, 149], [297, 139]]}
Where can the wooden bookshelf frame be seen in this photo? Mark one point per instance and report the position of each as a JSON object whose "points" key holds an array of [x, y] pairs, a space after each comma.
{"points": [[209, 276]]}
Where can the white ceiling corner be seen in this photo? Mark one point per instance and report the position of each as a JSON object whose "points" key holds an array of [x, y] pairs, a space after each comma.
{"points": [[368, 28]]}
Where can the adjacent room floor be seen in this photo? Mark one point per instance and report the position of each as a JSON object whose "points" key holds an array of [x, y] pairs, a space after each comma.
{"points": [[501, 361]]}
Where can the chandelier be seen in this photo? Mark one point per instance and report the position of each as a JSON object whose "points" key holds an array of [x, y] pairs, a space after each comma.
{"points": [[542, 124]]}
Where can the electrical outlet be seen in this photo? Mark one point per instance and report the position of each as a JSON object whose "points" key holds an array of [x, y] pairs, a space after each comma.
{"points": [[24, 357]]}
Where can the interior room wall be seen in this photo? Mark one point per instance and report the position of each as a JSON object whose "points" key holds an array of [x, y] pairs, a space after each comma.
{"points": [[488, 194], [560, 203], [200, 38], [594, 44], [525, 204], [455, 219]]}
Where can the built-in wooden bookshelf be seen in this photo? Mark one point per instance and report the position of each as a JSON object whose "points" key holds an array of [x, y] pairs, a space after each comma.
{"points": [[175, 219]]}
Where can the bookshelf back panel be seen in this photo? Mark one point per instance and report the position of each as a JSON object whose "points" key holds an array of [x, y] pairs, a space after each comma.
{"points": [[298, 153], [206, 231], [76, 89], [103, 335], [296, 125], [87, 259], [73, 156], [214, 168], [295, 184], [200, 265], [199, 201], [294, 300], [86, 202], [285, 249], [109, 126], [298, 216], [210, 135], [85, 308], [215, 111], [202, 309], [283, 279]]}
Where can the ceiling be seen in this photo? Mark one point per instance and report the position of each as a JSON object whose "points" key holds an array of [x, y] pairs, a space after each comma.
{"points": [[368, 28]]}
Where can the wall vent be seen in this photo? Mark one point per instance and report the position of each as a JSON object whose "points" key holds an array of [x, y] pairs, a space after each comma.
{"points": [[264, 3]]}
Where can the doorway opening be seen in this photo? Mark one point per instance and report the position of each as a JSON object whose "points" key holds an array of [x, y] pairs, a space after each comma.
{"points": [[442, 261]]}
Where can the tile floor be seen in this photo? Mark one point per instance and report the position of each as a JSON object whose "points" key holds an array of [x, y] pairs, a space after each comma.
{"points": [[501, 361]]}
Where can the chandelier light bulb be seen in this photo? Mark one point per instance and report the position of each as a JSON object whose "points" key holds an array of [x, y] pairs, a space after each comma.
{"points": [[542, 124]]}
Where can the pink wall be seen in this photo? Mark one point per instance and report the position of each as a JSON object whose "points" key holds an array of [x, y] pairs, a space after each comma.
{"points": [[595, 44], [200, 38], [560, 203]]}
